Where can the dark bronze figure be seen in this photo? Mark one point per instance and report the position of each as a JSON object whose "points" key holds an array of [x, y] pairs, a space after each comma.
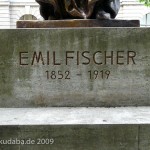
{"points": [[78, 9]]}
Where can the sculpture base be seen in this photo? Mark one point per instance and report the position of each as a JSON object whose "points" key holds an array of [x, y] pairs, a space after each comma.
{"points": [[78, 23], [79, 67]]}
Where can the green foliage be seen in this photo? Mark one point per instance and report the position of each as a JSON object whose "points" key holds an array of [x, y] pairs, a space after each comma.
{"points": [[146, 2]]}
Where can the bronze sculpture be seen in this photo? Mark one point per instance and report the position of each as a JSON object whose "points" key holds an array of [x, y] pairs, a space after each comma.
{"points": [[78, 9]]}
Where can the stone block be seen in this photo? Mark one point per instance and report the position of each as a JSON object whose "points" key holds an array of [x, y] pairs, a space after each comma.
{"points": [[73, 137], [75, 67]]}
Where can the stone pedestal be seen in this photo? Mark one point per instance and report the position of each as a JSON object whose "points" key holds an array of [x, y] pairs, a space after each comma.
{"points": [[84, 67], [98, 67]]}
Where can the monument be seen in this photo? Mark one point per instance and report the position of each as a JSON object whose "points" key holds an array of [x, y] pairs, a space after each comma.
{"points": [[81, 66], [73, 63], [78, 13]]}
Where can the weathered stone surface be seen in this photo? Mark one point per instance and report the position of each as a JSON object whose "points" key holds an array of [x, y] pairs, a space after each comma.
{"points": [[81, 137], [75, 128], [144, 132], [71, 115], [73, 137], [72, 56], [78, 23]]}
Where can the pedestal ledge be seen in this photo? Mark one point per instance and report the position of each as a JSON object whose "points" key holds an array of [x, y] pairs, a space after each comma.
{"points": [[74, 116], [78, 23]]}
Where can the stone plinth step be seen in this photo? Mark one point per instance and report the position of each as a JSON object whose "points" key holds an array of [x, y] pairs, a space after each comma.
{"points": [[75, 128], [70, 115]]}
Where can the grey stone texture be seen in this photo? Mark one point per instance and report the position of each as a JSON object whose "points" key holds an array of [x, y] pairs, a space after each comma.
{"points": [[25, 83], [79, 137], [71, 115], [76, 128]]}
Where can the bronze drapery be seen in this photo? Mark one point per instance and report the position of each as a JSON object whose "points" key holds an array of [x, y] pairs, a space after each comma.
{"points": [[78, 9]]}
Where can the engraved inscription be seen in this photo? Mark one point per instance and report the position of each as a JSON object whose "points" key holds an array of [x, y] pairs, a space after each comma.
{"points": [[58, 75], [78, 58], [103, 74]]}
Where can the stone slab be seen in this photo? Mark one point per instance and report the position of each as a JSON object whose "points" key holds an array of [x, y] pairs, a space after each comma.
{"points": [[77, 116], [73, 137], [78, 23], [75, 67], [75, 128], [76, 137]]}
